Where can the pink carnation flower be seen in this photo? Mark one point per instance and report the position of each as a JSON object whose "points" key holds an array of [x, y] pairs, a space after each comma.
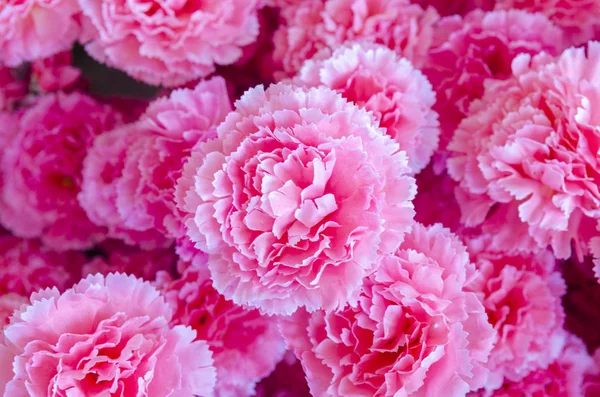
{"points": [[34, 29], [595, 250], [468, 51], [116, 257], [378, 80], [295, 199], [123, 345], [192, 38], [27, 266], [529, 151], [564, 377], [578, 18], [246, 346], [41, 170], [522, 299], [414, 332], [130, 173], [317, 27]]}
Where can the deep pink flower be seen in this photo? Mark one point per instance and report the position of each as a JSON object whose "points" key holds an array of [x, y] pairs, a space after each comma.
{"points": [[595, 250], [117, 257], [457, 7], [130, 173], [527, 154], [480, 46], [287, 380], [41, 170], [435, 201], [522, 299], [9, 303], [55, 73], [317, 27], [35, 29], [378, 80], [562, 378], [246, 346], [12, 90], [581, 301], [580, 19], [122, 345], [27, 266], [296, 199], [168, 43], [414, 332]]}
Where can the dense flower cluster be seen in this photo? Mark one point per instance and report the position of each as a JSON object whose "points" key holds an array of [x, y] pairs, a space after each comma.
{"points": [[299, 198]]}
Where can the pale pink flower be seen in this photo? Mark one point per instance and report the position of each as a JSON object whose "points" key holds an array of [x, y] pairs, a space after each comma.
{"points": [[527, 154], [105, 336], [9, 303], [580, 19], [317, 27], [27, 266], [41, 170], [296, 199], [35, 29], [117, 257], [415, 330], [130, 173], [378, 80], [246, 345], [563, 377], [522, 299], [469, 50], [591, 381], [168, 43]]}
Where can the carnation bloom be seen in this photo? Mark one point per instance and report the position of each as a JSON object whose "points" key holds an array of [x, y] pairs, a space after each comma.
{"points": [[130, 173], [295, 199], [41, 170], [378, 80], [522, 299], [317, 27], [27, 266], [529, 150], [34, 29], [123, 345], [578, 18], [467, 51], [246, 346], [117, 257], [563, 377], [414, 332], [192, 38]]}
